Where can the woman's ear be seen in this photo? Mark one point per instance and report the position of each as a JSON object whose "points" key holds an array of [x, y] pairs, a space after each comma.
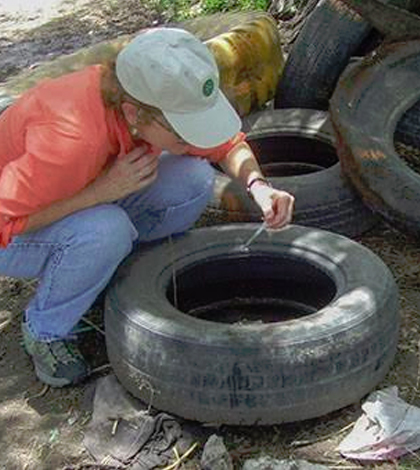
{"points": [[130, 112]]}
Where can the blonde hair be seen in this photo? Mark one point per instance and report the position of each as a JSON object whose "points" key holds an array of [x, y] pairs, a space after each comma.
{"points": [[114, 95]]}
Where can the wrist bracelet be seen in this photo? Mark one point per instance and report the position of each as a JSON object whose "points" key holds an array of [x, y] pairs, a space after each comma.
{"points": [[254, 180]]}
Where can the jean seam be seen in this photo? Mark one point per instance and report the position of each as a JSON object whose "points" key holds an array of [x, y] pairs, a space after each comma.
{"points": [[59, 250], [166, 211], [57, 258], [190, 201], [17, 245]]}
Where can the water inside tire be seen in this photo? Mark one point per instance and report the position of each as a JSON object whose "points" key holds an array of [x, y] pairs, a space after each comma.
{"points": [[251, 287]]}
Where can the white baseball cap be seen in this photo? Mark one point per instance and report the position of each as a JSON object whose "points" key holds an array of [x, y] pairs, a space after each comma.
{"points": [[172, 70]]}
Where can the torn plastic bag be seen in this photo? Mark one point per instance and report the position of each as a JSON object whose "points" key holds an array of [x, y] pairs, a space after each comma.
{"points": [[388, 428]]}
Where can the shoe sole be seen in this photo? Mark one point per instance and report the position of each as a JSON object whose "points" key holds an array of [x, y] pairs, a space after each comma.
{"points": [[56, 382]]}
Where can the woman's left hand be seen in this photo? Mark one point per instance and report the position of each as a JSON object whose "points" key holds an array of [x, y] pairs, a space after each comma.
{"points": [[276, 205]]}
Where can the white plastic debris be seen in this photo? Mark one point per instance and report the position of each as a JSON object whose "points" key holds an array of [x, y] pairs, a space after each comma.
{"points": [[388, 429]]}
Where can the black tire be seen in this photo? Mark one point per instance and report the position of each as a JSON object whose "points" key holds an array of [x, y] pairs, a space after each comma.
{"points": [[408, 127], [365, 115], [296, 149], [331, 35], [332, 341]]}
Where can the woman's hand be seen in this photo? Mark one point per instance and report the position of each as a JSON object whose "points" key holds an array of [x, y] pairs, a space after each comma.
{"points": [[126, 175], [276, 205]]}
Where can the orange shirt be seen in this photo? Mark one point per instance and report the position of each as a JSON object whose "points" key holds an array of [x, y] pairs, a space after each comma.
{"points": [[55, 140]]}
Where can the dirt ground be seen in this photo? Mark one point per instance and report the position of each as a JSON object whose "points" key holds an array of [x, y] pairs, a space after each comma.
{"points": [[42, 428]]}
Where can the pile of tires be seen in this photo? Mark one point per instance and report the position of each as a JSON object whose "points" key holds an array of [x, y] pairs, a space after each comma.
{"points": [[332, 34], [368, 84], [334, 46]]}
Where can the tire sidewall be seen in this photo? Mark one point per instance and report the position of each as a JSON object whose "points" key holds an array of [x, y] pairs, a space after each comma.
{"points": [[365, 117], [178, 348], [323, 199]]}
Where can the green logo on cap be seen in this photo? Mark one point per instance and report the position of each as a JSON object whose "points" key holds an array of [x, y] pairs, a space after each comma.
{"points": [[208, 87]]}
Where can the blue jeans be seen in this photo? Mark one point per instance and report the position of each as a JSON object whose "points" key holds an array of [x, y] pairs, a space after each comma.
{"points": [[75, 258]]}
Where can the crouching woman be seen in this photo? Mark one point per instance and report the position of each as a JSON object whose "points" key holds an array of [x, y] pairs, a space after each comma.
{"points": [[97, 161]]}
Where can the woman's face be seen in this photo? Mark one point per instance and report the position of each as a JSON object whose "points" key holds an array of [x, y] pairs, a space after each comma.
{"points": [[158, 135]]}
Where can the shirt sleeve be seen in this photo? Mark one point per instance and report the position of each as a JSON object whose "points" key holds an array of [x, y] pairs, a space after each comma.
{"points": [[216, 154], [54, 166]]}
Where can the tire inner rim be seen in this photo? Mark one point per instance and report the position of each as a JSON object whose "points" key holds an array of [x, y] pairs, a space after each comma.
{"points": [[251, 287], [293, 155]]}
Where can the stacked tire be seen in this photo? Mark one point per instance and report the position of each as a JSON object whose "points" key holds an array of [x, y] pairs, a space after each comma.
{"points": [[296, 149], [366, 116]]}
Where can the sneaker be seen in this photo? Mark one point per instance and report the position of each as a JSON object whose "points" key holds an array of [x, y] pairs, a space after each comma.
{"points": [[57, 363]]}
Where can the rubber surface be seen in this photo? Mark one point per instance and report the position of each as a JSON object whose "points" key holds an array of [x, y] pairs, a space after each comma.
{"points": [[334, 350], [297, 148], [331, 35], [408, 127], [366, 107]]}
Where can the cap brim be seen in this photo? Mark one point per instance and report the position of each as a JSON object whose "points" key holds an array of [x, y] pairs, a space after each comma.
{"points": [[209, 128]]}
